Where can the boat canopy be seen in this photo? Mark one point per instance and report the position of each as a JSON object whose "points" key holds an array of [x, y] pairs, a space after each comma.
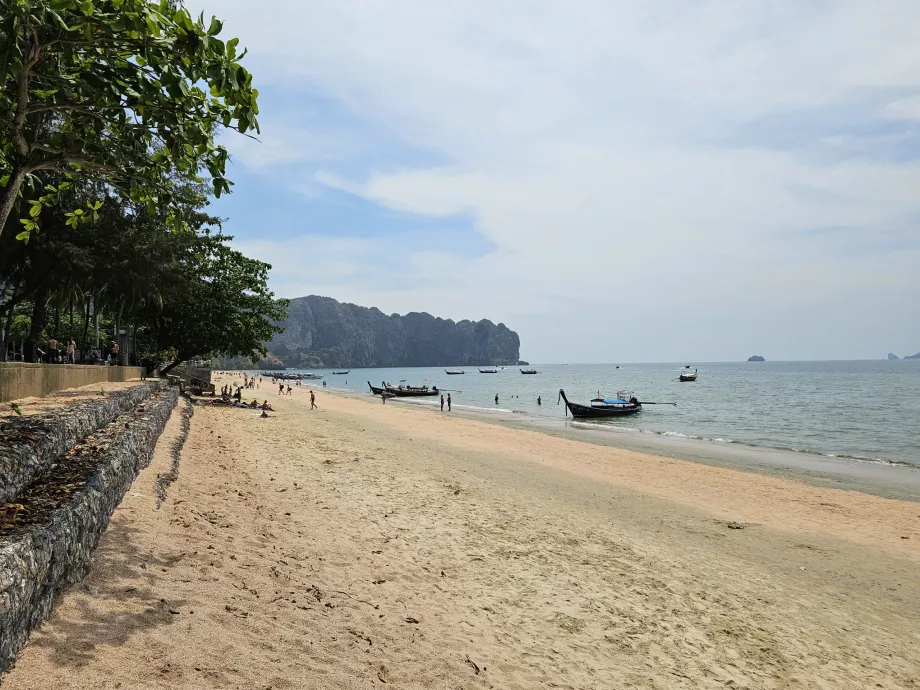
{"points": [[615, 401]]}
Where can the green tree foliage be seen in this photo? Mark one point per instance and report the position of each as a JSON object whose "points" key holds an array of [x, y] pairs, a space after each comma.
{"points": [[128, 92], [223, 305], [187, 294]]}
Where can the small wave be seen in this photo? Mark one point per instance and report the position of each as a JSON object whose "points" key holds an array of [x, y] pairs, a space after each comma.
{"points": [[844, 456], [605, 427], [672, 434], [483, 409]]}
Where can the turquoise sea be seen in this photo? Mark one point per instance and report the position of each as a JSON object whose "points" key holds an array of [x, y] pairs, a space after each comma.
{"points": [[866, 411]]}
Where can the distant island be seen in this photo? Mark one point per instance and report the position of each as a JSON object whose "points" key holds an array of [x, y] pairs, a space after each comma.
{"points": [[892, 355], [916, 356], [321, 332], [756, 358]]}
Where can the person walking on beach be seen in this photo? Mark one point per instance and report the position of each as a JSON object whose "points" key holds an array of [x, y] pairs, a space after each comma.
{"points": [[442, 403], [289, 389], [448, 402], [280, 389], [312, 401]]}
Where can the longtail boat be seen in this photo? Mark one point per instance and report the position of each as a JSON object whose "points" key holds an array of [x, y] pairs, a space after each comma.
{"points": [[405, 391], [453, 373], [625, 404], [529, 371]]}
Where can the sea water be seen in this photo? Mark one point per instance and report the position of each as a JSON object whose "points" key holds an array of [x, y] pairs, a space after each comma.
{"points": [[865, 411]]}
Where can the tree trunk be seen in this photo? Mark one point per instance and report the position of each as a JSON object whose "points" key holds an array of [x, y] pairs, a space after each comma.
{"points": [[83, 342], [39, 317], [8, 196], [11, 312], [169, 367]]}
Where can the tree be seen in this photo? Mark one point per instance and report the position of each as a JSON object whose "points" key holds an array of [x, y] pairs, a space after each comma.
{"points": [[126, 91], [224, 308], [187, 293]]}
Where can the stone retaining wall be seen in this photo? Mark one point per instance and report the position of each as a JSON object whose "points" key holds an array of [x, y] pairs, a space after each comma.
{"points": [[30, 444], [23, 380], [37, 562]]}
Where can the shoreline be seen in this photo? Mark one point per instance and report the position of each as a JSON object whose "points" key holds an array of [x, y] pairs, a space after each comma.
{"points": [[887, 480], [361, 544]]}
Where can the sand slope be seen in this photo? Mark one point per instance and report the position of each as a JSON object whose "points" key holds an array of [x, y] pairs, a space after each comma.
{"points": [[363, 543]]}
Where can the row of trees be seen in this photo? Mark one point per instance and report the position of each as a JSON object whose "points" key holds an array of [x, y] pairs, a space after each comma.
{"points": [[109, 113]]}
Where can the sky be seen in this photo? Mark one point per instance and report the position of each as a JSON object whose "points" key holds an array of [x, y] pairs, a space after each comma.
{"points": [[668, 180]]}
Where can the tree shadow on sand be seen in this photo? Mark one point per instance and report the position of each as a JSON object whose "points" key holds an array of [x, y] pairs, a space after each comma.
{"points": [[116, 600]]}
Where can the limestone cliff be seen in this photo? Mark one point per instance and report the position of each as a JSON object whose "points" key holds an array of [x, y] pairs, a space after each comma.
{"points": [[321, 332]]}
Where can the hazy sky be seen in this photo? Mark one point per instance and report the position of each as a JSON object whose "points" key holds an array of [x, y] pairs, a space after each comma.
{"points": [[616, 181]]}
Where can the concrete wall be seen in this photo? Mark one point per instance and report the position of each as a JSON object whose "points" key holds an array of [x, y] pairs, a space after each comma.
{"points": [[19, 380]]}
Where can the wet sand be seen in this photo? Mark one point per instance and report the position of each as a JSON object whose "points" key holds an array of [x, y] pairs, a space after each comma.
{"points": [[365, 545]]}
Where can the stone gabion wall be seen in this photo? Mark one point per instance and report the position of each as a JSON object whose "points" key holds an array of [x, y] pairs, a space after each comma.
{"points": [[30, 444], [36, 564]]}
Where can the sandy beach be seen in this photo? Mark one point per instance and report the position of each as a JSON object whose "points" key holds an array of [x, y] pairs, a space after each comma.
{"points": [[363, 545]]}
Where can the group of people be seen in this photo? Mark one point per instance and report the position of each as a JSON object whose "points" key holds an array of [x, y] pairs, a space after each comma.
{"points": [[251, 381], [53, 352], [448, 402], [229, 397], [54, 355]]}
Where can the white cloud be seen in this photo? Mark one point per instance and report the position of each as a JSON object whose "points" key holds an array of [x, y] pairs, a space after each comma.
{"points": [[579, 136], [904, 109]]}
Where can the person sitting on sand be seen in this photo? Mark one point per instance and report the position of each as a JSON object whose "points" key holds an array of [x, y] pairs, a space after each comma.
{"points": [[264, 415], [254, 404], [266, 406]]}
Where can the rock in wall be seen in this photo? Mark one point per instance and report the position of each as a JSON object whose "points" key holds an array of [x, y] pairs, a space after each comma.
{"points": [[37, 561], [30, 444]]}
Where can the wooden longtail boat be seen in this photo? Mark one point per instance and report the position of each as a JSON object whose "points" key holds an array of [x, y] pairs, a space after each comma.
{"points": [[405, 391], [529, 371], [488, 371], [453, 373], [604, 407], [623, 405]]}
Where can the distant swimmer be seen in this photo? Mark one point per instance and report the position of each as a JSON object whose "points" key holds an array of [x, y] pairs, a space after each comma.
{"points": [[496, 398], [539, 402]]}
